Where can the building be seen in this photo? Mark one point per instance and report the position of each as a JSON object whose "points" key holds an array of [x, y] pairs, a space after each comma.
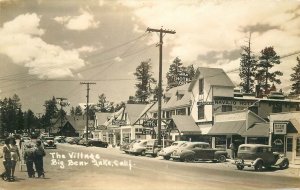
{"points": [[285, 134]]}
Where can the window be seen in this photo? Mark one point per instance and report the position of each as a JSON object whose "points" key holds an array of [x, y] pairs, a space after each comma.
{"points": [[201, 86], [201, 112], [226, 108], [277, 108], [181, 111]]}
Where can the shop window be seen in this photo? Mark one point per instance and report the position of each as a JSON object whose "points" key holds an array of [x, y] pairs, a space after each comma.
{"points": [[226, 108], [201, 86], [189, 111], [201, 112], [168, 114]]}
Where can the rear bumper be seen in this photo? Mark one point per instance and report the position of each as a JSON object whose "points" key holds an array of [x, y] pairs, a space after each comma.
{"points": [[248, 163]]}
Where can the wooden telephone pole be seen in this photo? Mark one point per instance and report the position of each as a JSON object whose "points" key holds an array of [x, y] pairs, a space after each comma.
{"points": [[87, 107], [161, 32]]}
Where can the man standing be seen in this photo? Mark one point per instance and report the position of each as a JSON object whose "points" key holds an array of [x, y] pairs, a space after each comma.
{"points": [[29, 159], [39, 153], [6, 161]]}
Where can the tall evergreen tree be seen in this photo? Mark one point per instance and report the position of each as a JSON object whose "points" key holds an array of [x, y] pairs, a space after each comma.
{"points": [[145, 81], [267, 60], [51, 112], [247, 68], [178, 74], [295, 78], [104, 105]]}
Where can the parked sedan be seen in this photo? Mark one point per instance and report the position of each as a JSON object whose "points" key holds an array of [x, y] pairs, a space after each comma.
{"points": [[98, 143], [192, 151], [259, 156], [48, 142], [138, 148], [166, 152]]}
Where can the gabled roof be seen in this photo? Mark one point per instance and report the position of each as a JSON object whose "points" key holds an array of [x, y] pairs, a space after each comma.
{"points": [[134, 111], [102, 117], [185, 123], [212, 76], [178, 97]]}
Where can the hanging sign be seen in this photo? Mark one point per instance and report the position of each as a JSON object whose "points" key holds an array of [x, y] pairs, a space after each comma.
{"points": [[280, 128]]}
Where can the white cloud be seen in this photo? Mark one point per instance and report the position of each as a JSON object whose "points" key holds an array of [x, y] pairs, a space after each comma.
{"points": [[86, 49], [205, 26], [82, 22], [20, 39]]}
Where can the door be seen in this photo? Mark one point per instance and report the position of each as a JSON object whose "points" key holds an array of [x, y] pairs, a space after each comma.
{"points": [[298, 148], [289, 147]]}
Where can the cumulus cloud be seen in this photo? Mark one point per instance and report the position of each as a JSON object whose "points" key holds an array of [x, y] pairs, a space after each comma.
{"points": [[118, 59], [210, 33], [21, 42], [82, 22]]}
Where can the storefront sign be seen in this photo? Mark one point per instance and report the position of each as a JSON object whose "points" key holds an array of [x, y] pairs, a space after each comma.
{"points": [[119, 122], [280, 128], [149, 123]]}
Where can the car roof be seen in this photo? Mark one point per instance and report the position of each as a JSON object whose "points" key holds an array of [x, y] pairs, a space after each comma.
{"points": [[254, 145]]}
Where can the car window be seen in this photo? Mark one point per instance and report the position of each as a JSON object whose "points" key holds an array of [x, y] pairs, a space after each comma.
{"points": [[245, 148], [174, 144]]}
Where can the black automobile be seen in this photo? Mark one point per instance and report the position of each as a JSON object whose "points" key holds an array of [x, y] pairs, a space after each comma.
{"points": [[97, 143], [259, 156]]}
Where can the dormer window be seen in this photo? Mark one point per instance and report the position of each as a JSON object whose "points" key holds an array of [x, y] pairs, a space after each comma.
{"points": [[179, 94], [167, 97]]}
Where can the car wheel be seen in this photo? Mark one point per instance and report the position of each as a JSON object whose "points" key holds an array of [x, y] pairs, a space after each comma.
{"points": [[240, 167], [143, 153], [167, 157], [258, 166], [284, 164], [222, 158], [189, 159]]}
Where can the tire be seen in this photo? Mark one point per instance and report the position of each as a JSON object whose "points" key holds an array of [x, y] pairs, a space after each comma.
{"points": [[240, 167], [284, 164], [189, 159], [143, 153], [258, 166], [167, 157], [222, 158]]}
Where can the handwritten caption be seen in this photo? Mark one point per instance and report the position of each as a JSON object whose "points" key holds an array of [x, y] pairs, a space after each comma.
{"points": [[80, 159]]}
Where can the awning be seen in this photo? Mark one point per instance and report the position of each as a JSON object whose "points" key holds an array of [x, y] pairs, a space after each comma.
{"points": [[186, 124], [228, 128], [257, 130], [296, 126]]}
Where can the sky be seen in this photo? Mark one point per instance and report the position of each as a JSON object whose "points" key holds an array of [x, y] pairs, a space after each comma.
{"points": [[47, 47]]}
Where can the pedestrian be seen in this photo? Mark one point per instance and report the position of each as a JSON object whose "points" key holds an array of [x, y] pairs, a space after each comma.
{"points": [[29, 159], [233, 150], [39, 153], [6, 161], [15, 157]]}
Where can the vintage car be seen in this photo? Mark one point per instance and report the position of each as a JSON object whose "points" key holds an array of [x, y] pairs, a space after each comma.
{"points": [[97, 143], [192, 151], [259, 156], [166, 152], [138, 147], [152, 147], [48, 142], [126, 146]]}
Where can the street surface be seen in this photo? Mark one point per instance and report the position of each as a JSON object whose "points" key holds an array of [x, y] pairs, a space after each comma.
{"points": [[87, 168]]}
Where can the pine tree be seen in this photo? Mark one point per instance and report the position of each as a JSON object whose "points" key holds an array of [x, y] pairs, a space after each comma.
{"points": [[247, 68], [295, 78], [178, 74], [145, 81], [267, 60]]}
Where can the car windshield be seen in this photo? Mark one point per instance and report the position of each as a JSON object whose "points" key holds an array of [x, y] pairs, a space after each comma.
{"points": [[185, 144], [175, 144]]}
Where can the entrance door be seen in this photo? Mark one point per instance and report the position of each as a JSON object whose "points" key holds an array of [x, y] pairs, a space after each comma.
{"points": [[289, 147], [298, 147]]}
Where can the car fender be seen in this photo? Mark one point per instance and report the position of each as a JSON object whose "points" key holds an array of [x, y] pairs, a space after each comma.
{"points": [[257, 160], [280, 160], [187, 153]]}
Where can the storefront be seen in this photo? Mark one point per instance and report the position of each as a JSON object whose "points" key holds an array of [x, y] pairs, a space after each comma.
{"points": [[285, 138]]}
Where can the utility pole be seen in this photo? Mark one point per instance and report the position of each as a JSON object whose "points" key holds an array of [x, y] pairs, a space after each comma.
{"points": [[87, 108], [161, 32]]}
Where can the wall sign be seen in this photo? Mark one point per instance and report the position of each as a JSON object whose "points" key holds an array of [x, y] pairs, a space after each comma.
{"points": [[280, 128]]}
